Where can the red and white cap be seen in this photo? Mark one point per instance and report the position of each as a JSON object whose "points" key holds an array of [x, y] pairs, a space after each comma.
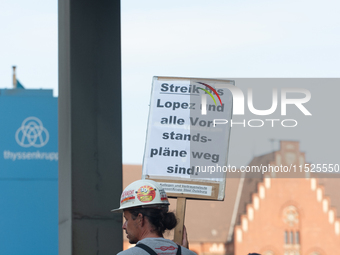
{"points": [[143, 193]]}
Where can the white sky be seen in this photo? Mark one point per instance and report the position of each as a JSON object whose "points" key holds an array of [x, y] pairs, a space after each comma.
{"points": [[184, 38]]}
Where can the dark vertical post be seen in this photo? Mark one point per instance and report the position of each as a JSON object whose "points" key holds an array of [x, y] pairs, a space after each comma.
{"points": [[90, 141]]}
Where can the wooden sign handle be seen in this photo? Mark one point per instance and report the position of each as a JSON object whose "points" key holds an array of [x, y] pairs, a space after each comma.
{"points": [[180, 214]]}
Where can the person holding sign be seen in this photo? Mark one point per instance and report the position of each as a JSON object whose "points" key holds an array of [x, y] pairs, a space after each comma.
{"points": [[145, 206]]}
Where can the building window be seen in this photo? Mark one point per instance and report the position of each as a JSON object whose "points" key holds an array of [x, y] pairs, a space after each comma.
{"points": [[291, 219], [291, 239], [286, 237], [297, 237], [291, 216]]}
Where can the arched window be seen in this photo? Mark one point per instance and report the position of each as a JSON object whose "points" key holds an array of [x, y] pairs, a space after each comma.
{"points": [[297, 237], [291, 237], [290, 217]]}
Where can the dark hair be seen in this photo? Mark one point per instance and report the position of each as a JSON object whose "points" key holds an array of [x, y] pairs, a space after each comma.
{"points": [[159, 219]]}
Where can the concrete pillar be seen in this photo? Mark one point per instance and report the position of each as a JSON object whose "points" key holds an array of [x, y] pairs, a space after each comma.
{"points": [[90, 140]]}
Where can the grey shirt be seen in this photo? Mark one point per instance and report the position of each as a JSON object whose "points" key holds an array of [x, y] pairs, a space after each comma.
{"points": [[160, 245]]}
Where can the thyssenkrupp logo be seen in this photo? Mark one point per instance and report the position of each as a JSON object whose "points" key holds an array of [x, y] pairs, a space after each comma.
{"points": [[32, 133]]}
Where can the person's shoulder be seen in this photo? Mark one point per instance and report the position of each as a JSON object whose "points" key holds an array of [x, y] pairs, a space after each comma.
{"points": [[157, 244], [133, 251], [165, 244]]}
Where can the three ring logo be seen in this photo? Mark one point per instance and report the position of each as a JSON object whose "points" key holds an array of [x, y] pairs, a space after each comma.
{"points": [[32, 133]]}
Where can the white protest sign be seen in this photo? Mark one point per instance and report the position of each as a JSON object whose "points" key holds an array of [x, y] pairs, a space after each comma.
{"points": [[188, 133]]}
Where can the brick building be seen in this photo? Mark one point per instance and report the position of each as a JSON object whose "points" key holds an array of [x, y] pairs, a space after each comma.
{"points": [[270, 216]]}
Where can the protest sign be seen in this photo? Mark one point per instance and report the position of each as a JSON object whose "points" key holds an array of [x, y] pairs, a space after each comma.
{"points": [[188, 134]]}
